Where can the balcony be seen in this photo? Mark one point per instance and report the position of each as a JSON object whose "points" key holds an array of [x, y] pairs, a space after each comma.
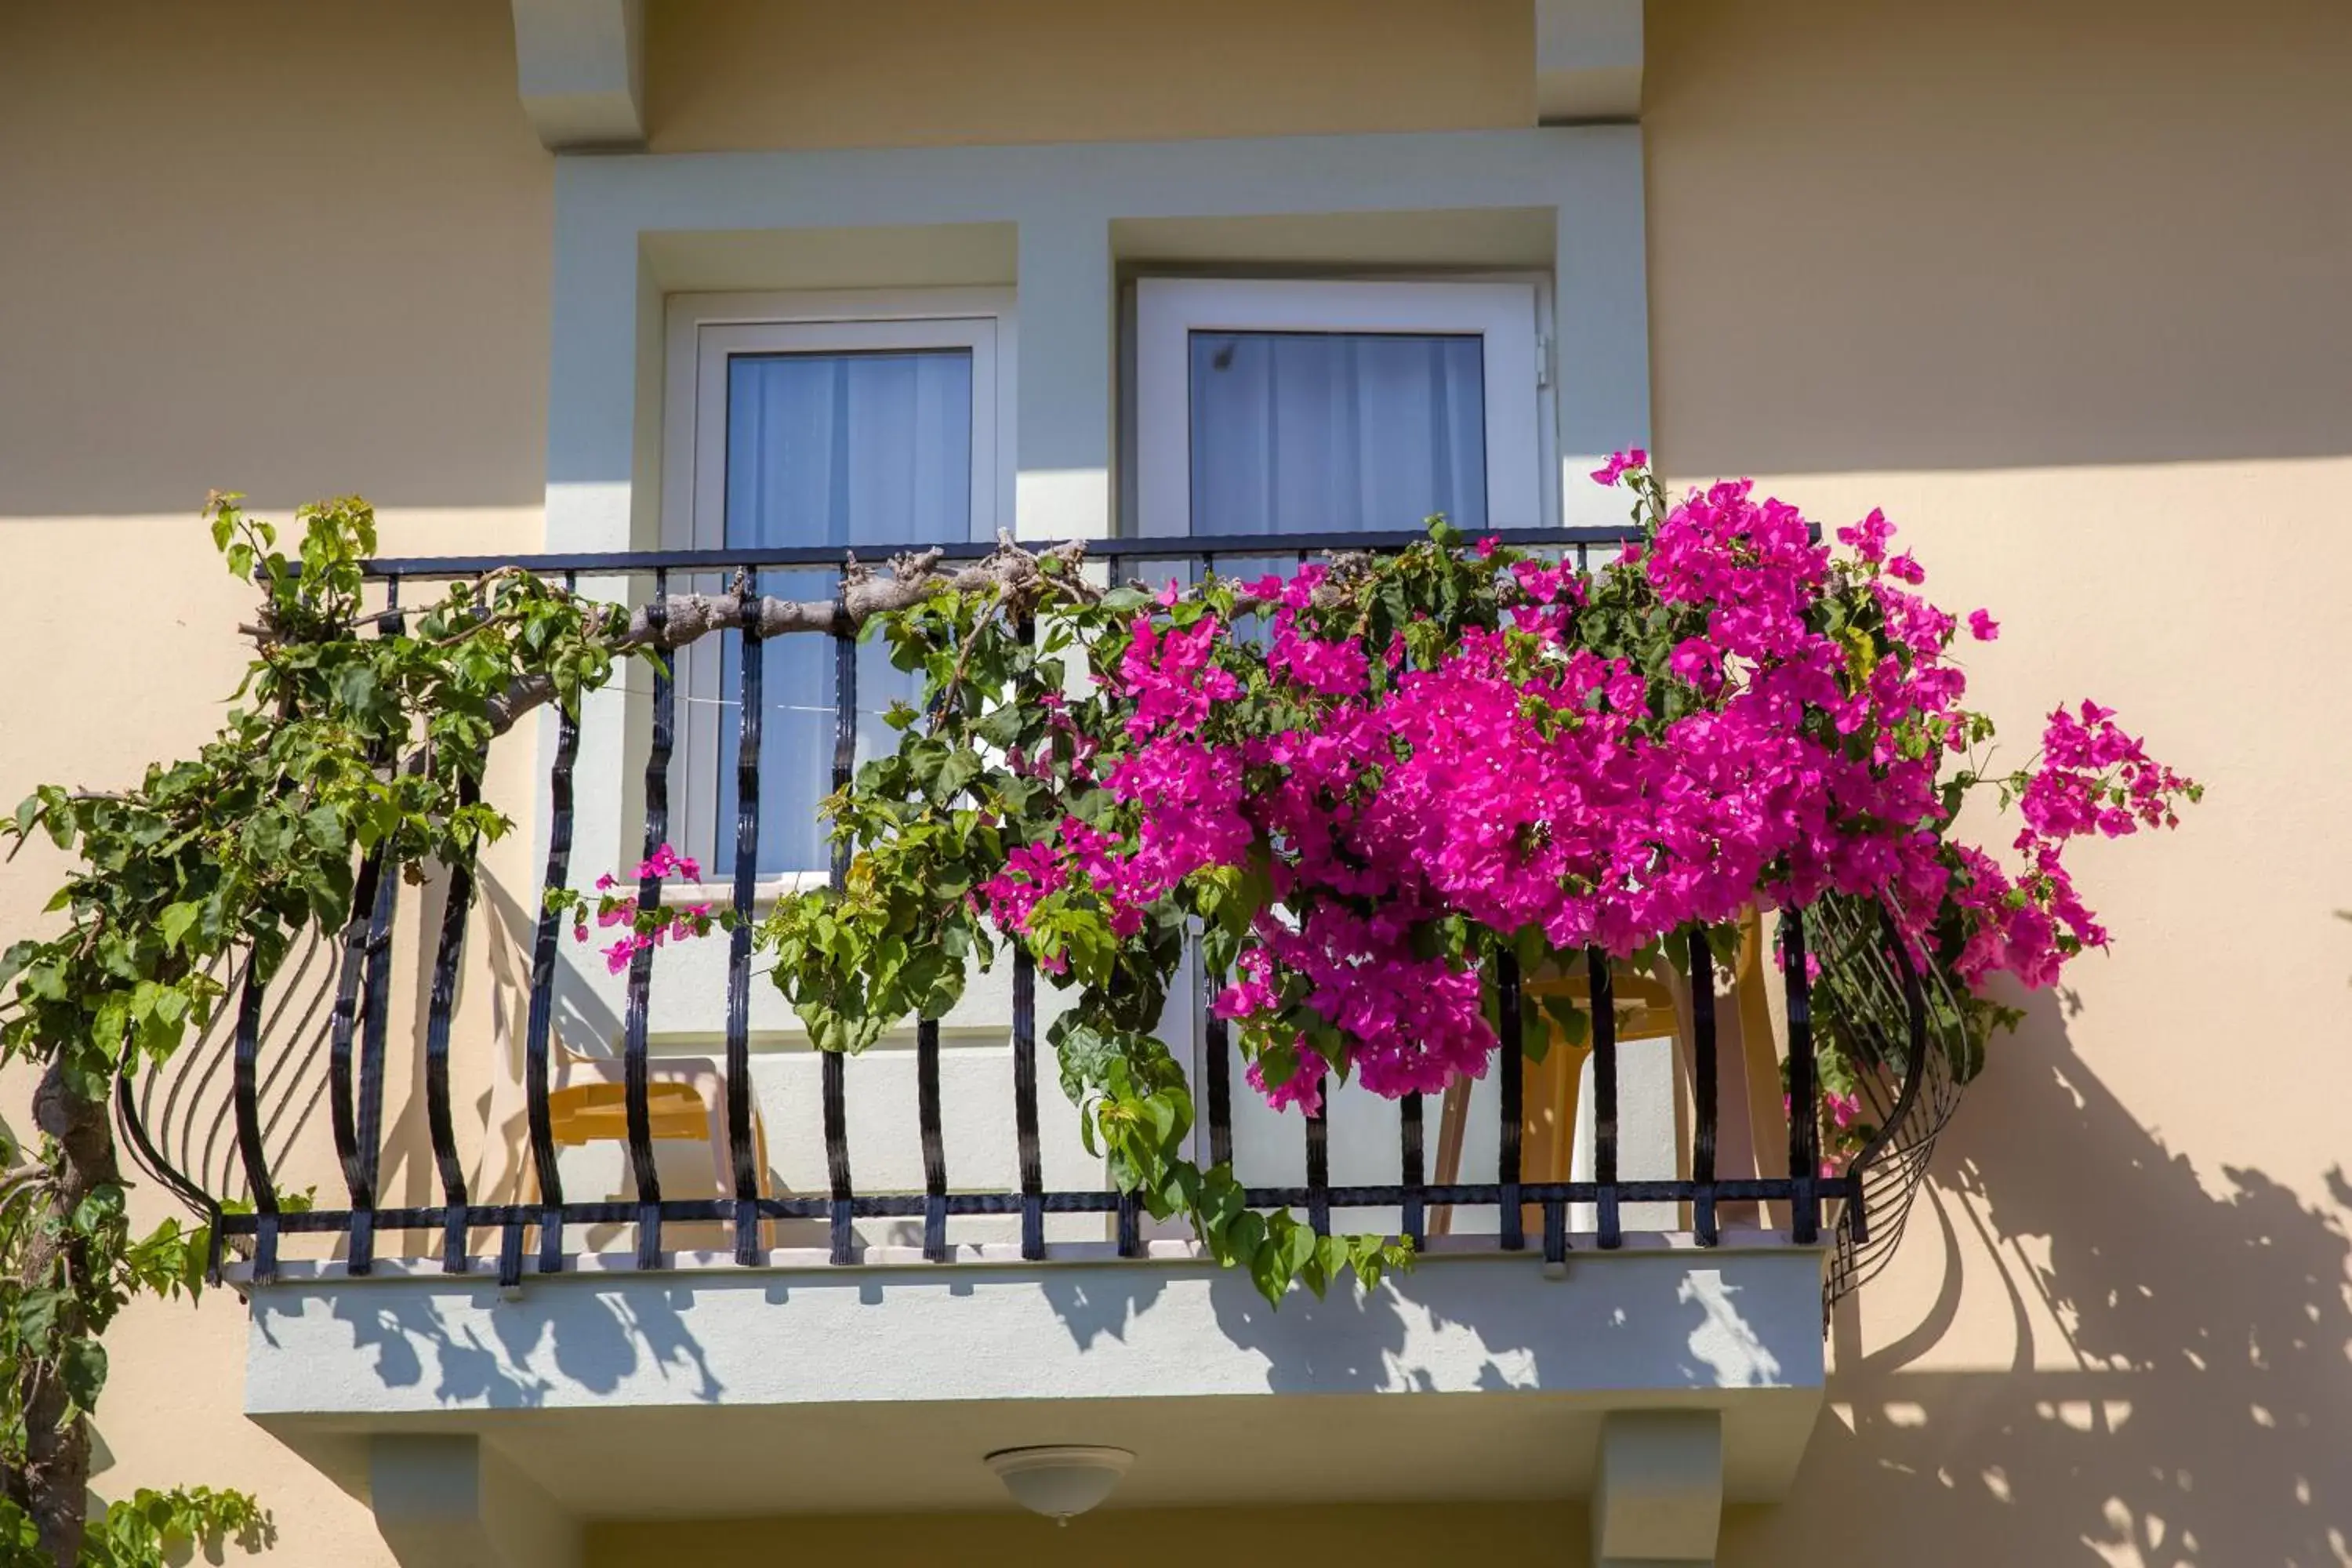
{"points": [[603, 1246]]}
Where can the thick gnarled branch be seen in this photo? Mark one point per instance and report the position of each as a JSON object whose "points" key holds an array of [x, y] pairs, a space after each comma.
{"points": [[1021, 580]]}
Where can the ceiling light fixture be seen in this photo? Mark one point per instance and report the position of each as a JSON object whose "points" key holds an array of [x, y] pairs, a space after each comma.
{"points": [[1060, 1481]]}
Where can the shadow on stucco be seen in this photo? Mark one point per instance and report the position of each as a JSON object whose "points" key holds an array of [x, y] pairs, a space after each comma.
{"points": [[1700, 1323], [2205, 1419], [412, 1341]]}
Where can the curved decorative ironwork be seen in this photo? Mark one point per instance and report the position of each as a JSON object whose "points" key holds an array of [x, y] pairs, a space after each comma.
{"points": [[178, 1117], [1901, 1025]]}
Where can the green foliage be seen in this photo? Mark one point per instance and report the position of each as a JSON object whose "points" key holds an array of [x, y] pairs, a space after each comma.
{"points": [[146, 1530], [239, 848]]}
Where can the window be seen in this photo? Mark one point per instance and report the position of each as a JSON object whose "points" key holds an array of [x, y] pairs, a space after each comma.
{"points": [[1294, 406], [861, 422]]}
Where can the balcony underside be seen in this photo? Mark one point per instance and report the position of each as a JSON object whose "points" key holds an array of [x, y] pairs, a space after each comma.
{"points": [[619, 1393]]}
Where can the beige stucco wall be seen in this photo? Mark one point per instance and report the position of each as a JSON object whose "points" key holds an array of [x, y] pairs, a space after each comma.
{"points": [[1551, 1535], [2060, 286], [896, 73], [274, 248]]}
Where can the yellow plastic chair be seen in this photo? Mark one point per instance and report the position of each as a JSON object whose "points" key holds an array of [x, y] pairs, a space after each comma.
{"points": [[1751, 1129], [1644, 1009], [587, 1102], [587, 1097]]}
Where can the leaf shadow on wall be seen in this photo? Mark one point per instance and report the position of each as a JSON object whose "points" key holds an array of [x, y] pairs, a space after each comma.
{"points": [[2207, 1418]]}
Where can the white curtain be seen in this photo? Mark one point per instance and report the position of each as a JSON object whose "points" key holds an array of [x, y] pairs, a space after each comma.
{"points": [[858, 449], [1335, 432]]}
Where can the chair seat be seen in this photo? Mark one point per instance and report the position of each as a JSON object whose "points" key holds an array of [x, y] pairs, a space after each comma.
{"points": [[597, 1112], [1643, 1008]]}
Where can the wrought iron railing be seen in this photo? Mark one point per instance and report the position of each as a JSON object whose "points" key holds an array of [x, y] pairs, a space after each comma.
{"points": [[174, 1119]]}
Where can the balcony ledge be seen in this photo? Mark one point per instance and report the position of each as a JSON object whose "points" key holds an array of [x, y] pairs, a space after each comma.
{"points": [[810, 1387]]}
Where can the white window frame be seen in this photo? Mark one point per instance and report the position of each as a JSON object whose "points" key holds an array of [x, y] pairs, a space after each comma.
{"points": [[704, 332], [1510, 316]]}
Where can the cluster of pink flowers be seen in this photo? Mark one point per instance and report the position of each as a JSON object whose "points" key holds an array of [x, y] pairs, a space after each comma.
{"points": [[615, 907], [1526, 781], [2091, 778]]}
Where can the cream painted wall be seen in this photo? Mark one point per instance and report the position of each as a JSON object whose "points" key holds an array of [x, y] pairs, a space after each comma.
{"points": [[2059, 285], [276, 247], [886, 73], [1551, 1535]]}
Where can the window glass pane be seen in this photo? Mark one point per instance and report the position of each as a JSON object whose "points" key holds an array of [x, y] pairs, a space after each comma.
{"points": [[1335, 432], [849, 449], [859, 449]]}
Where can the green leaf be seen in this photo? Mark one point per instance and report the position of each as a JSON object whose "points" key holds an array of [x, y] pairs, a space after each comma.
{"points": [[1002, 726], [82, 1368], [1331, 1257], [176, 922], [961, 766], [35, 1313], [57, 815], [1575, 1025]]}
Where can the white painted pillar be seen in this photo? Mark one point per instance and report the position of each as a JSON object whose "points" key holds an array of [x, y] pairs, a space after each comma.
{"points": [[604, 495], [446, 1501], [1603, 321], [1658, 1493], [580, 67], [1067, 322], [1588, 60]]}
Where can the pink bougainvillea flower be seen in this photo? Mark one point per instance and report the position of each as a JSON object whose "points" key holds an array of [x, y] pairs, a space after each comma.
{"points": [[1610, 472], [1868, 538], [1982, 627]]}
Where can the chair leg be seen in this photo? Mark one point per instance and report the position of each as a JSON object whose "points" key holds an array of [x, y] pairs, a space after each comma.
{"points": [[1453, 1126], [1678, 991], [1759, 1059]]}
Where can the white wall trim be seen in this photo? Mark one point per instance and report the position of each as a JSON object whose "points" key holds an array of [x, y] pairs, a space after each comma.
{"points": [[1697, 1323], [632, 231], [614, 217], [580, 68]]}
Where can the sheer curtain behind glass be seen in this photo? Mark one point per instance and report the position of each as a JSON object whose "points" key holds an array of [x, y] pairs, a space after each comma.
{"points": [[1335, 432], [831, 449]]}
